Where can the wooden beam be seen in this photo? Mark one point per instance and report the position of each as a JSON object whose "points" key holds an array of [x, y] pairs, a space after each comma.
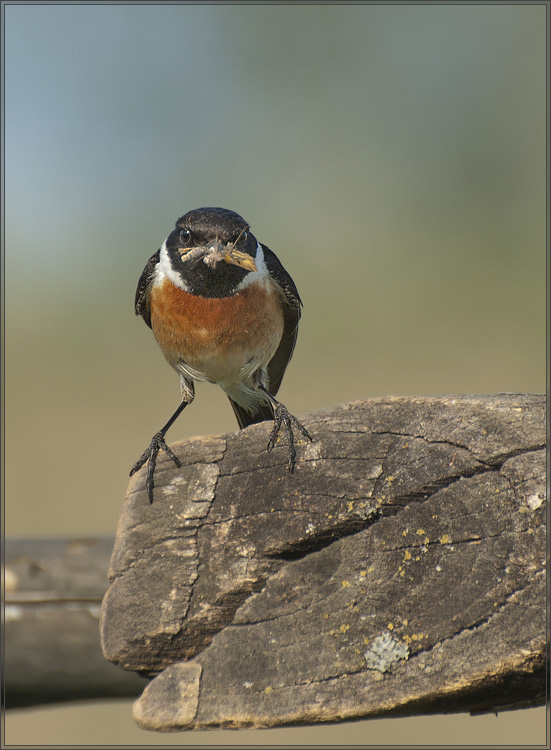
{"points": [[53, 593], [399, 570]]}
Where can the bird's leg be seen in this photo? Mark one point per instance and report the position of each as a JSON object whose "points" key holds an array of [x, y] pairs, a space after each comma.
{"points": [[150, 454], [283, 417]]}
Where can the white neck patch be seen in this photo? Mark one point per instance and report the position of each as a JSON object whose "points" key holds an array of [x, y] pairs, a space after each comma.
{"points": [[165, 270], [261, 274]]}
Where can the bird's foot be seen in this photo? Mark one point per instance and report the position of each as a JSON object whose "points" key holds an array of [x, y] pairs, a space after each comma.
{"points": [[283, 418], [150, 455]]}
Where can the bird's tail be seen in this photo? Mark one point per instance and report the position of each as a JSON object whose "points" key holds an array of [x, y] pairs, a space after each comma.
{"points": [[262, 413]]}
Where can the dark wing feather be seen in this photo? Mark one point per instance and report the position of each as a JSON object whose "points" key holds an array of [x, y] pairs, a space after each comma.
{"points": [[263, 413], [141, 302], [291, 311]]}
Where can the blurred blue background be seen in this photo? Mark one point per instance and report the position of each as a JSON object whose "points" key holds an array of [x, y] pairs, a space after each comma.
{"points": [[393, 156]]}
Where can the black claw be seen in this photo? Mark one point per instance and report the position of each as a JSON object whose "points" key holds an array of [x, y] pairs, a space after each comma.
{"points": [[150, 455], [282, 417], [171, 455]]}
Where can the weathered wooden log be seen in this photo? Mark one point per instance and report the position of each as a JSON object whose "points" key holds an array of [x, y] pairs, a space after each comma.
{"points": [[53, 593], [400, 569]]}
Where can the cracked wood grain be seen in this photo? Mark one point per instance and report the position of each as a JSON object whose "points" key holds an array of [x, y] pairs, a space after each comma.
{"points": [[399, 570]]}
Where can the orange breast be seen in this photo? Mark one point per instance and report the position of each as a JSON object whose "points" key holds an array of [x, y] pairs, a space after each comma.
{"points": [[217, 337]]}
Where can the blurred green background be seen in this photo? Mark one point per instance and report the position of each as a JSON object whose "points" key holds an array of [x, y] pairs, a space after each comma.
{"points": [[393, 156]]}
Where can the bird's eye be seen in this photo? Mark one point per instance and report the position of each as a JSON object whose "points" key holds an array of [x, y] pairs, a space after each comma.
{"points": [[244, 236], [185, 235]]}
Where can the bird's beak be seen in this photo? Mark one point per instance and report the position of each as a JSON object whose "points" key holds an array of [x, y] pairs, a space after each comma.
{"points": [[216, 252]]}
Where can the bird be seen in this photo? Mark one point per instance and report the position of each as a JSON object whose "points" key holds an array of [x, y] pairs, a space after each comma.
{"points": [[224, 310]]}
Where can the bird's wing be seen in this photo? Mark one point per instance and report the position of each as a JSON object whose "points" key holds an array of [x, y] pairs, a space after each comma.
{"points": [[141, 302], [291, 312]]}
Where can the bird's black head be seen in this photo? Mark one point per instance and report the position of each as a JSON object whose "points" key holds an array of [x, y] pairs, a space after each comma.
{"points": [[212, 250]]}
